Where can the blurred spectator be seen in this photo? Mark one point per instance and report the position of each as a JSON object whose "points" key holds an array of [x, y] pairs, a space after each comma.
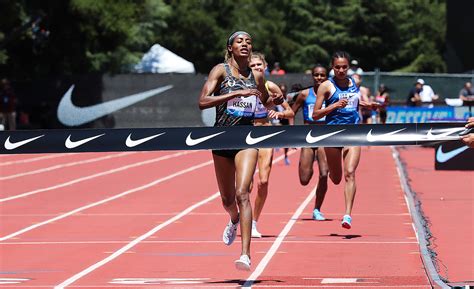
{"points": [[355, 69], [427, 94], [277, 70], [7, 105], [414, 98], [466, 92], [383, 99], [365, 95]]}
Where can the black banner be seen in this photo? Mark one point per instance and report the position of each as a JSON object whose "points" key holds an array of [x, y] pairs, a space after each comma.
{"points": [[237, 137], [454, 155]]}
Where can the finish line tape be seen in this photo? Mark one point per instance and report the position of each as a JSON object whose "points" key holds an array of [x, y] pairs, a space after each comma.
{"points": [[236, 137]]}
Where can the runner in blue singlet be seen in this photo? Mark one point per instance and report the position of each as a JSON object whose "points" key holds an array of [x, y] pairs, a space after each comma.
{"points": [[233, 89], [306, 99], [342, 100]]}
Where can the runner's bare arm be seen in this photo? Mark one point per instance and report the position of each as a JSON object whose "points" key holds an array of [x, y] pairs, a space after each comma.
{"points": [[300, 100], [216, 76]]}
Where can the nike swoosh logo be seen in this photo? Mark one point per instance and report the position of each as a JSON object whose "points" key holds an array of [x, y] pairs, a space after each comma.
{"points": [[384, 137], [443, 157], [445, 134], [312, 139], [192, 142], [13, 145], [72, 115], [251, 140], [70, 144], [133, 143]]}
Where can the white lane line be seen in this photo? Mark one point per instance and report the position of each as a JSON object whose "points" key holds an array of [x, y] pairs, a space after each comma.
{"points": [[75, 181], [135, 242], [52, 156], [266, 259], [139, 239], [149, 185], [65, 165]]}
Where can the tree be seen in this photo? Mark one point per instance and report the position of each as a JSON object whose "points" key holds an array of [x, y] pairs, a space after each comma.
{"points": [[79, 36]]}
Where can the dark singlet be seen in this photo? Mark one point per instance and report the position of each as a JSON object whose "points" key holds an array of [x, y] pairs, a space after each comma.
{"points": [[237, 111]]}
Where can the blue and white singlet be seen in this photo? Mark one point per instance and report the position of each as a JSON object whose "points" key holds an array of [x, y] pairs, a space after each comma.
{"points": [[308, 107], [348, 114]]}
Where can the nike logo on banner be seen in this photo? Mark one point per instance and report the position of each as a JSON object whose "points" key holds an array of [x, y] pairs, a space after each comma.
{"points": [[74, 144], [133, 143], [384, 137], [251, 141], [13, 145], [446, 133], [443, 157], [192, 142], [72, 115], [312, 139]]}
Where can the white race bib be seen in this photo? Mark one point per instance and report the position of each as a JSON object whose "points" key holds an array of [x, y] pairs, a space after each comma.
{"points": [[242, 106]]}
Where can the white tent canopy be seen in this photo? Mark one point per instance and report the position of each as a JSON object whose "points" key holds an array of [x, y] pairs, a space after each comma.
{"points": [[160, 60]]}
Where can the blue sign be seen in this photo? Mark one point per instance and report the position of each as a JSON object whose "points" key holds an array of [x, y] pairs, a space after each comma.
{"points": [[401, 114]]}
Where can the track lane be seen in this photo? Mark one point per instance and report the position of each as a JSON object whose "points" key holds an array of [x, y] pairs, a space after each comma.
{"points": [[34, 209], [97, 225]]}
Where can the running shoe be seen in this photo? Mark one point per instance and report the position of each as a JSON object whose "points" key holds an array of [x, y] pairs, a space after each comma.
{"points": [[287, 161], [346, 222], [243, 263], [318, 216], [230, 232], [255, 232]]}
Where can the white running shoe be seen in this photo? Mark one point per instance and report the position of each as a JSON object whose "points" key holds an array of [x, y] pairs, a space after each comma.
{"points": [[230, 232], [243, 263], [255, 232]]}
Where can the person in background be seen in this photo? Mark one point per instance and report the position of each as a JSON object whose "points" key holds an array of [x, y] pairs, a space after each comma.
{"points": [[469, 138], [467, 92], [383, 99], [355, 69], [414, 98], [266, 117], [277, 70], [7, 105], [427, 95], [284, 121], [342, 100], [306, 100], [365, 95]]}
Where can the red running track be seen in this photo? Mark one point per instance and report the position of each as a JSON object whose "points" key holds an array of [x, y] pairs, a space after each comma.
{"points": [[149, 220], [447, 201]]}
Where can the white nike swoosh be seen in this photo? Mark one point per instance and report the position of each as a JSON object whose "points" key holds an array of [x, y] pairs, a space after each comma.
{"points": [[11, 146], [312, 139], [133, 143], [384, 137], [192, 142], [72, 115], [443, 157], [74, 144], [251, 141], [445, 134]]}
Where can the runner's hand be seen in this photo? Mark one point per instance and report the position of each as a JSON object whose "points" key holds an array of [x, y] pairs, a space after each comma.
{"points": [[250, 92]]}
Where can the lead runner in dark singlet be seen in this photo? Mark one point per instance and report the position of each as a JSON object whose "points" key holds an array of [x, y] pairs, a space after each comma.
{"points": [[233, 89]]}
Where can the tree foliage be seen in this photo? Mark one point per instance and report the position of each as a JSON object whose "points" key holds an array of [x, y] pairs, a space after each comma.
{"points": [[45, 37]]}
